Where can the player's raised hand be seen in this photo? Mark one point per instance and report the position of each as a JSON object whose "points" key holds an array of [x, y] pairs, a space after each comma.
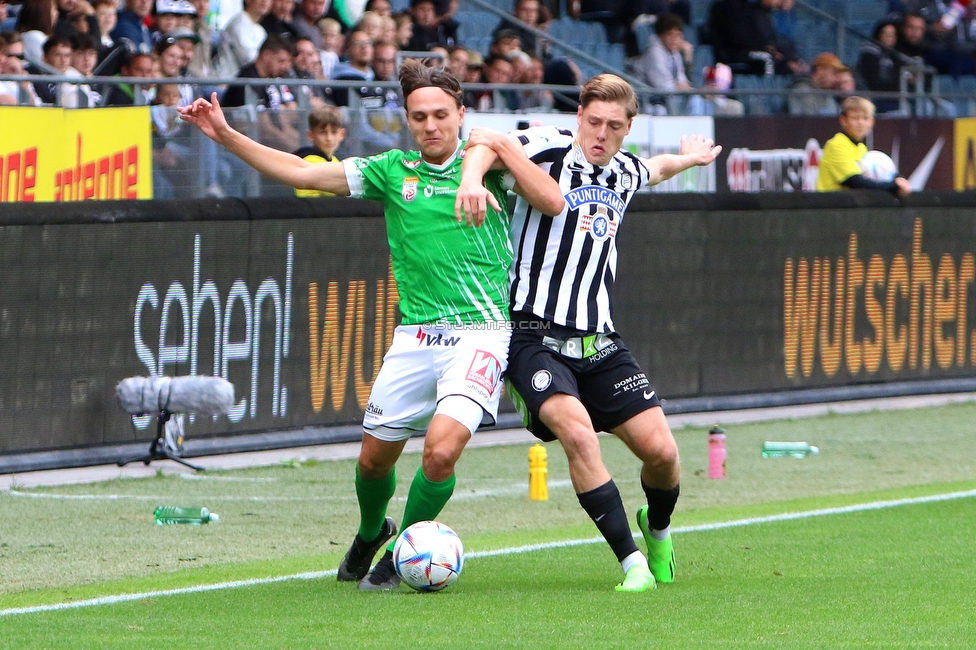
{"points": [[904, 186], [207, 115], [702, 150], [471, 201]]}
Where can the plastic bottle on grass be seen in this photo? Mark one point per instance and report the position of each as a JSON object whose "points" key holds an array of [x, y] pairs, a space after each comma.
{"points": [[792, 449], [176, 515], [716, 452]]}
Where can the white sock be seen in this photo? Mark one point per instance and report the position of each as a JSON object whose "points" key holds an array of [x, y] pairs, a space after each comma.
{"points": [[632, 560], [661, 535]]}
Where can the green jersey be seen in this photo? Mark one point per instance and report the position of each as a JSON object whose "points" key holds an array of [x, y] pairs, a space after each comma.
{"points": [[445, 271]]}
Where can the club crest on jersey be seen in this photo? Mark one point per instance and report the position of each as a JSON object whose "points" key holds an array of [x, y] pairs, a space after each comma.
{"points": [[409, 190], [411, 164], [601, 225], [626, 181], [485, 371], [541, 380]]}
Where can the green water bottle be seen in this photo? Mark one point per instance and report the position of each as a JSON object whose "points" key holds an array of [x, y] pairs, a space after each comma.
{"points": [[792, 449], [165, 515]]}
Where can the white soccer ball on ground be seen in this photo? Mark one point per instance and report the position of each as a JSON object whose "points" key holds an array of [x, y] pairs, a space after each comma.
{"points": [[428, 556], [878, 166]]}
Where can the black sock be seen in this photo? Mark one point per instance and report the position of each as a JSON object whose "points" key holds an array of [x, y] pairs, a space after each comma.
{"points": [[606, 509], [660, 505]]}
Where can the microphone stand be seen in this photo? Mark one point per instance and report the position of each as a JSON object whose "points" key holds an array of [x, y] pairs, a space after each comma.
{"points": [[158, 450]]}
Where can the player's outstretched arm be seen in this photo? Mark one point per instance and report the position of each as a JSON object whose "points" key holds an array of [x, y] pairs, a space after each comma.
{"points": [[696, 150], [281, 165]]}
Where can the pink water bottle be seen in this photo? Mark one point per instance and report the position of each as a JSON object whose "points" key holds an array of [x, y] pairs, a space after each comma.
{"points": [[716, 452]]}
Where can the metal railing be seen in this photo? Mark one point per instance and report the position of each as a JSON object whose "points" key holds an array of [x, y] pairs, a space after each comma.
{"points": [[919, 88]]}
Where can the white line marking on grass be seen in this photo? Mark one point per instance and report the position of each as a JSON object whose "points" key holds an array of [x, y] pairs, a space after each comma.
{"points": [[228, 479], [474, 493], [126, 598], [149, 497], [315, 575], [517, 488]]}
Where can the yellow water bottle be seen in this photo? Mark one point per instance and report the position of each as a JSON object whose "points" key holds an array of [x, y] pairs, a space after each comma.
{"points": [[538, 472]]}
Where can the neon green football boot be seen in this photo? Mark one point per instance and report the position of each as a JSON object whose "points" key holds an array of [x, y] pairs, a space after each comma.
{"points": [[660, 555], [639, 578]]}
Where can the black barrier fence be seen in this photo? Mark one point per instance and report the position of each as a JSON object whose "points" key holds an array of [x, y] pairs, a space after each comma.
{"points": [[294, 302]]}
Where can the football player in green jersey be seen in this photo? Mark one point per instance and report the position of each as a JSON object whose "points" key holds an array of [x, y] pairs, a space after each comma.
{"points": [[443, 370]]}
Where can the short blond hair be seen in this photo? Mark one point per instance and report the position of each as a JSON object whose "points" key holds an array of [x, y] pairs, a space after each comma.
{"points": [[329, 25], [855, 104], [609, 88]]}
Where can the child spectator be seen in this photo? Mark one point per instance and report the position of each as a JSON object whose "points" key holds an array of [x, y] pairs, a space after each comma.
{"points": [[333, 42], [170, 157], [839, 165], [105, 14], [326, 131]]}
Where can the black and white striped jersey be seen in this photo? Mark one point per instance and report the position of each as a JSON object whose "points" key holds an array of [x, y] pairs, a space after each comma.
{"points": [[565, 265]]}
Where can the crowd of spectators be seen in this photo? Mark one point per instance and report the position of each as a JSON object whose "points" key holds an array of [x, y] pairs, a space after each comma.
{"points": [[315, 39], [204, 40], [199, 45], [914, 41]]}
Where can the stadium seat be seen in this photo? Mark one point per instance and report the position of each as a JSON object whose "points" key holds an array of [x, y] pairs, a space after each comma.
{"points": [[776, 101], [755, 104], [704, 57], [945, 85], [475, 24], [561, 29], [615, 56], [642, 34], [865, 11], [967, 84]]}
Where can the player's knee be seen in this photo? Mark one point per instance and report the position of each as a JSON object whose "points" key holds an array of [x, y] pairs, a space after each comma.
{"points": [[661, 454], [578, 440], [372, 468], [438, 462]]}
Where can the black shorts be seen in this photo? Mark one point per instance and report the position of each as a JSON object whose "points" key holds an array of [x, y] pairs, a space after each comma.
{"points": [[598, 369]]}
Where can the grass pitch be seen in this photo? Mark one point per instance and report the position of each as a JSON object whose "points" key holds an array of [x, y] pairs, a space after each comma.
{"points": [[897, 577]]}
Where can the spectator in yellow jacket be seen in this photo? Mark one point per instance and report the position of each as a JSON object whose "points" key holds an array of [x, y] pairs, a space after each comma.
{"points": [[839, 167], [326, 130]]}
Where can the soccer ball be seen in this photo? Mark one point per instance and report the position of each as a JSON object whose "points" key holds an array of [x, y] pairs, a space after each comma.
{"points": [[878, 166], [428, 556]]}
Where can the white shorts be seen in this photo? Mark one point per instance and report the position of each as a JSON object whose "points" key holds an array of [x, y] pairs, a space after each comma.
{"points": [[426, 364]]}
